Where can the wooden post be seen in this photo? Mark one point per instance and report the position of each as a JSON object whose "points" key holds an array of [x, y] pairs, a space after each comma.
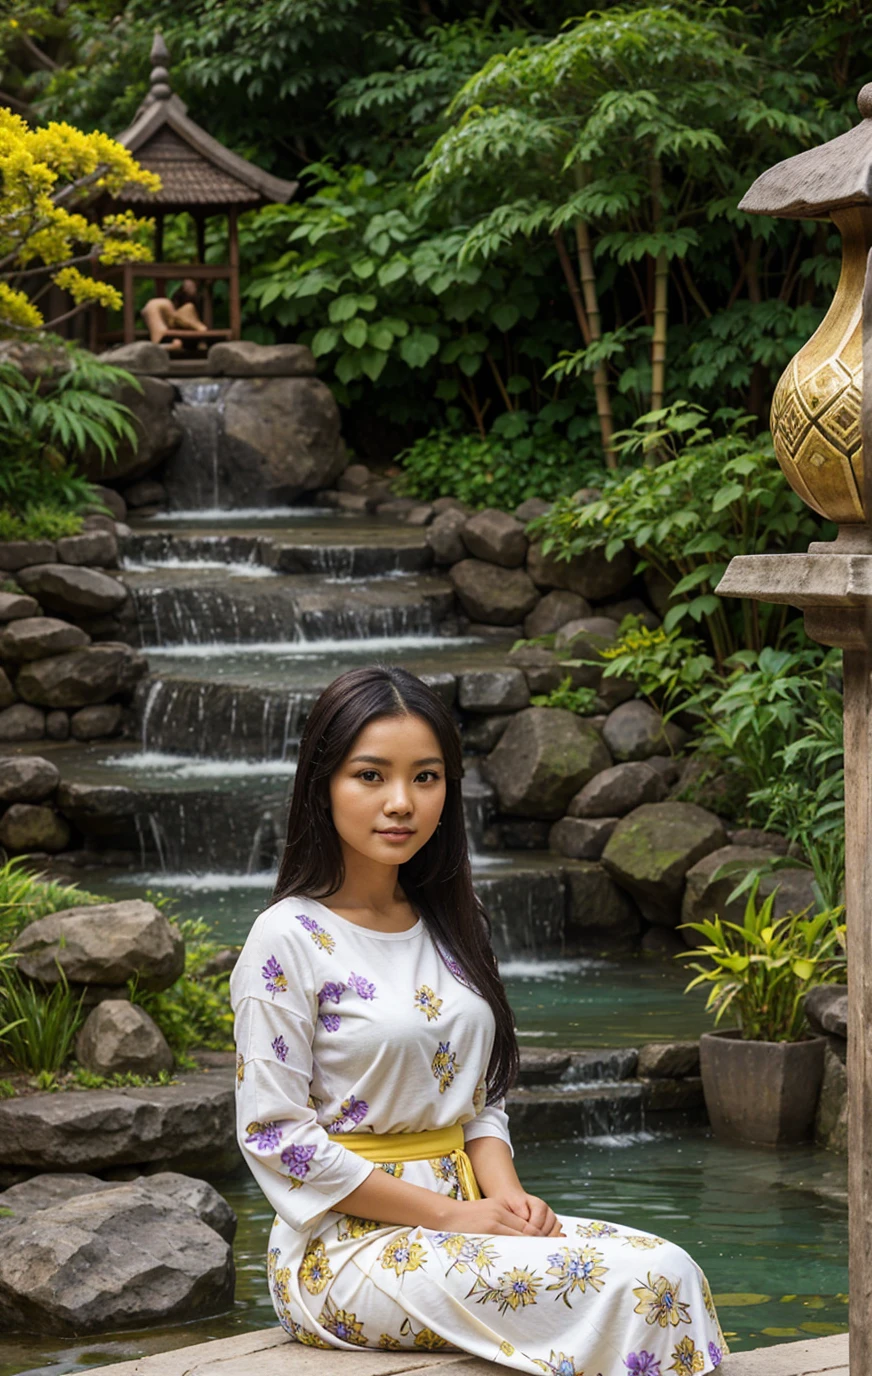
{"points": [[235, 306], [129, 317]]}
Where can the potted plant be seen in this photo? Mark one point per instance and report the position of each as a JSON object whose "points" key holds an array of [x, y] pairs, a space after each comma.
{"points": [[761, 1079]]}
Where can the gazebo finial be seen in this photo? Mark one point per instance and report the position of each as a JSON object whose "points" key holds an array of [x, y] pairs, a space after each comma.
{"points": [[160, 77]]}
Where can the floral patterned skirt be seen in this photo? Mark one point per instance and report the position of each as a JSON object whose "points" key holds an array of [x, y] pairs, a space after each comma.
{"points": [[604, 1300]]}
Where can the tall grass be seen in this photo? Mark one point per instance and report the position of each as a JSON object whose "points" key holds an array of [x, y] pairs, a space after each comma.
{"points": [[25, 897], [42, 1033]]}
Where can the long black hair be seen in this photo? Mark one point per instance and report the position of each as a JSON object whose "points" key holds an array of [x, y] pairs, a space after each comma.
{"points": [[437, 879]]}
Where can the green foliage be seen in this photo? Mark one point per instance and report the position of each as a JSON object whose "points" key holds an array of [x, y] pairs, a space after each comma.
{"points": [[584, 701], [520, 458], [711, 497], [761, 969], [25, 897], [41, 522], [44, 1025], [86, 1079], [7, 1091], [195, 1011], [667, 667]]}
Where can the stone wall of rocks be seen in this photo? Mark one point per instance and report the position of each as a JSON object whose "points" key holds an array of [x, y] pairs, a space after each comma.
{"points": [[826, 1008]]}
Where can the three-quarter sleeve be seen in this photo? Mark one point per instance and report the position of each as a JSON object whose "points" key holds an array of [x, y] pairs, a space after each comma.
{"points": [[492, 1121], [300, 1170]]}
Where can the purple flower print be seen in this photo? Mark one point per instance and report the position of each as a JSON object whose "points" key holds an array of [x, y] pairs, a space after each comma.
{"points": [[361, 986], [280, 1047], [352, 1113], [331, 992], [276, 980], [331, 1021], [715, 1354], [297, 1159], [266, 1136], [308, 922], [642, 1363]]}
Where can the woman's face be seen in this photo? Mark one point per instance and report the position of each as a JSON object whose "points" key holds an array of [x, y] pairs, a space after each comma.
{"points": [[387, 794]]}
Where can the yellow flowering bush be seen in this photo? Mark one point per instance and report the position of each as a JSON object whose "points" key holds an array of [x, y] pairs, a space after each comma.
{"points": [[45, 176]]}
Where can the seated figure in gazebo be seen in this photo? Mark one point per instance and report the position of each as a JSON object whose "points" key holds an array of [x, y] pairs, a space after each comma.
{"points": [[177, 312]]}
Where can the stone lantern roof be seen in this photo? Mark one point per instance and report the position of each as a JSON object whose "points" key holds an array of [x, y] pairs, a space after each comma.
{"points": [[197, 172], [836, 175]]}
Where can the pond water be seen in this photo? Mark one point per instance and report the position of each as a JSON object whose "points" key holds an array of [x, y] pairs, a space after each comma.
{"points": [[769, 1229]]}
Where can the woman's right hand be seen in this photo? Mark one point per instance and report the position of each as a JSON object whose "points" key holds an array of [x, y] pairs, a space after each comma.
{"points": [[486, 1216]]}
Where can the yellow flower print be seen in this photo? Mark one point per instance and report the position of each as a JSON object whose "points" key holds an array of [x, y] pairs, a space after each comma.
{"points": [[452, 1243], [308, 1339], [314, 1103], [282, 1283], [445, 1168], [576, 1270], [272, 1258], [688, 1359], [343, 1325], [595, 1229], [479, 1098], [643, 1241], [659, 1302], [240, 1067], [325, 941], [513, 1290], [507, 1350], [707, 1298], [315, 1269], [558, 1365], [393, 1344], [444, 1066], [349, 1226], [394, 1168], [401, 1255], [427, 1002], [429, 1341]]}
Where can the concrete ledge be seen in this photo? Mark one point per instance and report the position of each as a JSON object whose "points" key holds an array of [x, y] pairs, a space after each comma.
{"points": [[270, 1352]]}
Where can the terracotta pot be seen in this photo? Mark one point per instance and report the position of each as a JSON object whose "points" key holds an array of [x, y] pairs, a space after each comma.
{"points": [[761, 1092]]}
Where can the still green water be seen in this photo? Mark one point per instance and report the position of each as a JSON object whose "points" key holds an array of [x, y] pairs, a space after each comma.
{"points": [[769, 1229]]}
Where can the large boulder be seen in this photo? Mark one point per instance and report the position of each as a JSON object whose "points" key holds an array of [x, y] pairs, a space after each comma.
{"points": [[256, 441], [581, 838], [95, 723], [710, 882], [116, 1256], [90, 547], [542, 758], [14, 605], [492, 690], [651, 850], [37, 637], [83, 677], [619, 790], [495, 536], [107, 943], [244, 358], [21, 722], [73, 591], [443, 536], [188, 1125], [591, 575], [20, 554], [27, 779], [158, 432], [492, 593], [556, 608], [599, 913], [101, 810], [826, 1007], [635, 731], [119, 1036], [28, 827], [142, 356]]}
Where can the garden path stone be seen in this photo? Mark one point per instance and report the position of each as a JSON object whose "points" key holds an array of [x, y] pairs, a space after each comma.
{"points": [[556, 608], [495, 536], [581, 838], [651, 850], [443, 536], [493, 690], [119, 1037], [542, 759], [16, 604], [67, 589], [188, 1125], [110, 1259], [618, 790], [635, 731], [599, 911], [27, 827], [21, 722], [105, 943], [491, 593], [19, 554], [82, 678], [27, 778], [91, 547], [668, 1060], [36, 637]]}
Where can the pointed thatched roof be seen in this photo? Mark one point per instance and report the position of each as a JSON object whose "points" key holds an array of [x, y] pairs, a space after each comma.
{"points": [[197, 172], [833, 176]]}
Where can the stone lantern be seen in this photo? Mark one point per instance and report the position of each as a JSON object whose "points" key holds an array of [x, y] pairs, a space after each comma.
{"points": [[822, 427]]}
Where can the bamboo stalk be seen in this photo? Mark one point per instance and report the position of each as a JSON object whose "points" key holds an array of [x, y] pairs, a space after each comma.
{"points": [[591, 304], [661, 296]]}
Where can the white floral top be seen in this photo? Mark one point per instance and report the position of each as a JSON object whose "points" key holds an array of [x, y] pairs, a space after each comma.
{"points": [[343, 1029]]}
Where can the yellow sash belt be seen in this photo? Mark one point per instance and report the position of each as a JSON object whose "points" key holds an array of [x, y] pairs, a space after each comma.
{"points": [[383, 1147]]}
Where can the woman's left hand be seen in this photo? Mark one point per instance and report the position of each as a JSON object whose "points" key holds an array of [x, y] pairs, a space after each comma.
{"points": [[533, 1210]]}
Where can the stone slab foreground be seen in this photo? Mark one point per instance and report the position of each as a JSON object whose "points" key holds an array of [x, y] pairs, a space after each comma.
{"points": [[270, 1352]]}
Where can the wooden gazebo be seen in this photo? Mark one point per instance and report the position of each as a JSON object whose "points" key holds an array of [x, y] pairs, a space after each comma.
{"points": [[200, 177]]}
